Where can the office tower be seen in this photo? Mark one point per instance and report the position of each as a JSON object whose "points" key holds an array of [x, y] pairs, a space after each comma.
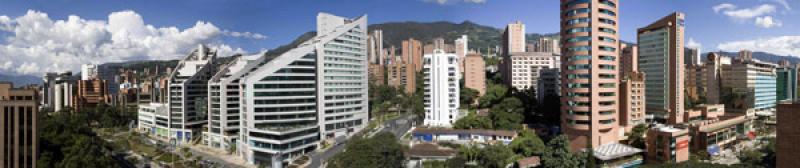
{"points": [[475, 73], [90, 93], [631, 100], [547, 44], [786, 83], [630, 59], [514, 38], [441, 89], [188, 94], [589, 72], [525, 68], [412, 53], [316, 90], [88, 71], [753, 85], [375, 47], [548, 84], [691, 56], [224, 94], [461, 46], [19, 141], [789, 136], [660, 57]]}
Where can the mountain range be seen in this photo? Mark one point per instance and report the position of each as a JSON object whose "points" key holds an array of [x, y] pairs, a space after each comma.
{"points": [[481, 37]]}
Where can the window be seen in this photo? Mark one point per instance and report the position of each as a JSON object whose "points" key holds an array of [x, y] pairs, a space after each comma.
{"points": [[608, 30], [579, 29], [577, 11], [607, 21], [578, 20], [579, 39], [608, 12]]}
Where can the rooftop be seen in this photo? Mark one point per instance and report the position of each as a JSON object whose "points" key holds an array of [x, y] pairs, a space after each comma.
{"points": [[614, 150]]}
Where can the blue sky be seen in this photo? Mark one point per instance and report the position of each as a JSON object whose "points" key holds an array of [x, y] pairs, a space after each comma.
{"points": [[731, 27]]}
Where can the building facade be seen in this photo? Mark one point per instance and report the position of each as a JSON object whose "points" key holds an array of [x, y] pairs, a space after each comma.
{"points": [[786, 83], [475, 73], [590, 72], [19, 140], [753, 85], [667, 144], [315, 91], [547, 44], [90, 93], [691, 56], [661, 58], [786, 147], [441, 89], [188, 94], [525, 68], [631, 100], [224, 96], [514, 38]]}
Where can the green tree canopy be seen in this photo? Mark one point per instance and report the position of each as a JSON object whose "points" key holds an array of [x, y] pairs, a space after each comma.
{"points": [[382, 150], [473, 121], [496, 156], [636, 136], [559, 155], [528, 144]]}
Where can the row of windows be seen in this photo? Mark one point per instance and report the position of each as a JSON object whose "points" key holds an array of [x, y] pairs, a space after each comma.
{"points": [[285, 109], [285, 101], [293, 93], [283, 86]]}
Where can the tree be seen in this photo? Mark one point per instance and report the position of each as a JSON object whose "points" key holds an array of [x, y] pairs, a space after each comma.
{"points": [[559, 156], [469, 153], [550, 110], [473, 122], [467, 96], [528, 144], [751, 157], [382, 150], [529, 101], [636, 136], [507, 114], [496, 156], [769, 160], [494, 94]]}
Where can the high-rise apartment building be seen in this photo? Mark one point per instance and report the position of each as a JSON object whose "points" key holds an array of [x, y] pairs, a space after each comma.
{"points": [[548, 84], [631, 100], [514, 38], [224, 95], [661, 59], [589, 72], [412, 53], [375, 47], [317, 90], [441, 89], [57, 91], [475, 73], [401, 73], [525, 68], [630, 59], [461, 46], [547, 45], [691, 56], [188, 94], [90, 93], [89, 71], [19, 140]]}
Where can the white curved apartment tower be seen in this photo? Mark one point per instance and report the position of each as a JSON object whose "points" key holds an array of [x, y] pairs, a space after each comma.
{"points": [[441, 89], [224, 98], [187, 92], [316, 90]]}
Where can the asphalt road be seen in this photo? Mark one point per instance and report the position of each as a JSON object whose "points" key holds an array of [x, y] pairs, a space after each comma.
{"points": [[398, 127]]}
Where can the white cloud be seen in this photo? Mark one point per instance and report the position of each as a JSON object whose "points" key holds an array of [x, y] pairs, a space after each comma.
{"points": [[749, 13], [768, 22], [784, 4], [724, 6], [37, 44], [444, 2], [782, 45], [693, 44]]}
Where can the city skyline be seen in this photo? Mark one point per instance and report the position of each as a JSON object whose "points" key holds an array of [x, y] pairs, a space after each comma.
{"points": [[248, 27]]}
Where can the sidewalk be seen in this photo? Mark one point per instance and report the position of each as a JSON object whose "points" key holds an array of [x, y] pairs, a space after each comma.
{"points": [[217, 155]]}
